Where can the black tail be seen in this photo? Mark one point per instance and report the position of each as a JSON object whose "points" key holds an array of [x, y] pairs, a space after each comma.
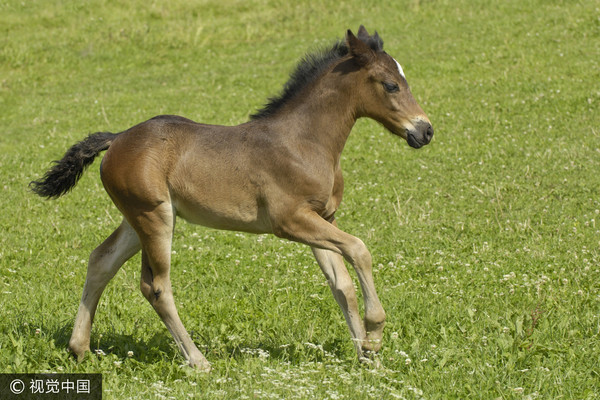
{"points": [[65, 173]]}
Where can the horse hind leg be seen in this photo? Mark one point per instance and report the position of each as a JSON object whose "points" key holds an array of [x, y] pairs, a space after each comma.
{"points": [[155, 282], [103, 264]]}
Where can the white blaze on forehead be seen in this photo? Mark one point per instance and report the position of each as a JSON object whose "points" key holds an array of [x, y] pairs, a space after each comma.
{"points": [[400, 69]]}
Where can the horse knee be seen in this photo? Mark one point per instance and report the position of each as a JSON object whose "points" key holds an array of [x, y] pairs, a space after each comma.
{"points": [[358, 255], [343, 289]]}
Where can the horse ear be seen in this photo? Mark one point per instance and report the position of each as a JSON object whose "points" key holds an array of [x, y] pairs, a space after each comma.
{"points": [[363, 34], [359, 49], [377, 41], [376, 37]]}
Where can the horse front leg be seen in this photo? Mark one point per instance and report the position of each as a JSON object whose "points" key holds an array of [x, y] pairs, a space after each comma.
{"points": [[308, 227], [340, 283], [374, 313]]}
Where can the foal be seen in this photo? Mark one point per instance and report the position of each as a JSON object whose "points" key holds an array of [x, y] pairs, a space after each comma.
{"points": [[278, 173]]}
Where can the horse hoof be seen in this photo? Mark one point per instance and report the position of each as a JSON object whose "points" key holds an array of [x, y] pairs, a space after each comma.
{"points": [[371, 359], [201, 365], [78, 352]]}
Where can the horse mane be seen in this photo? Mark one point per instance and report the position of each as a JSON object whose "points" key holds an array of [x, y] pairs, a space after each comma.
{"points": [[310, 67]]}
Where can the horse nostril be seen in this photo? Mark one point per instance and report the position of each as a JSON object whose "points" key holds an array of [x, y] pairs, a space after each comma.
{"points": [[429, 133]]}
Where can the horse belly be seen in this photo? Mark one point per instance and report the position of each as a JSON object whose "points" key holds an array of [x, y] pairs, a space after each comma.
{"points": [[223, 213]]}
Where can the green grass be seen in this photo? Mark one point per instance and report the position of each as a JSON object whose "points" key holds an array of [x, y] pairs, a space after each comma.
{"points": [[485, 243]]}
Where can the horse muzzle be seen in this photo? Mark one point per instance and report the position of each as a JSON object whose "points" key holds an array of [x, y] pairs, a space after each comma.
{"points": [[419, 133]]}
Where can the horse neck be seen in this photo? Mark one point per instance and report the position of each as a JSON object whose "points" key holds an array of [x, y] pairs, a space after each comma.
{"points": [[324, 114]]}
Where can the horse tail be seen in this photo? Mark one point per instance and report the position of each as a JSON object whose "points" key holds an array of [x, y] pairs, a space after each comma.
{"points": [[65, 173]]}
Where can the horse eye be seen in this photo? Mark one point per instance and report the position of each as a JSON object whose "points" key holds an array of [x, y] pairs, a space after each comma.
{"points": [[390, 87]]}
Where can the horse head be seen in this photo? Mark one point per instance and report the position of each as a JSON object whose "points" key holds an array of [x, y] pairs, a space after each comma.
{"points": [[384, 92]]}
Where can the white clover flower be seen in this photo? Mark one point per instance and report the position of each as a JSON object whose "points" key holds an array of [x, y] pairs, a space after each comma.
{"points": [[402, 353]]}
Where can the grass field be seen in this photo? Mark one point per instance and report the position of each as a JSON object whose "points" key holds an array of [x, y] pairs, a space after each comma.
{"points": [[485, 243]]}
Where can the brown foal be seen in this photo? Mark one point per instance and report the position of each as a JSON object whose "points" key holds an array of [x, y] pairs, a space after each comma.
{"points": [[278, 173]]}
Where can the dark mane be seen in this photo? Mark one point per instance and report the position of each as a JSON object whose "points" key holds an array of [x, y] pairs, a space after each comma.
{"points": [[308, 69]]}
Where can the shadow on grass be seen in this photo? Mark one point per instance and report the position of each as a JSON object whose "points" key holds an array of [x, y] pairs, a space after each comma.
{"points": [[294, 353], [159, 347]]}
